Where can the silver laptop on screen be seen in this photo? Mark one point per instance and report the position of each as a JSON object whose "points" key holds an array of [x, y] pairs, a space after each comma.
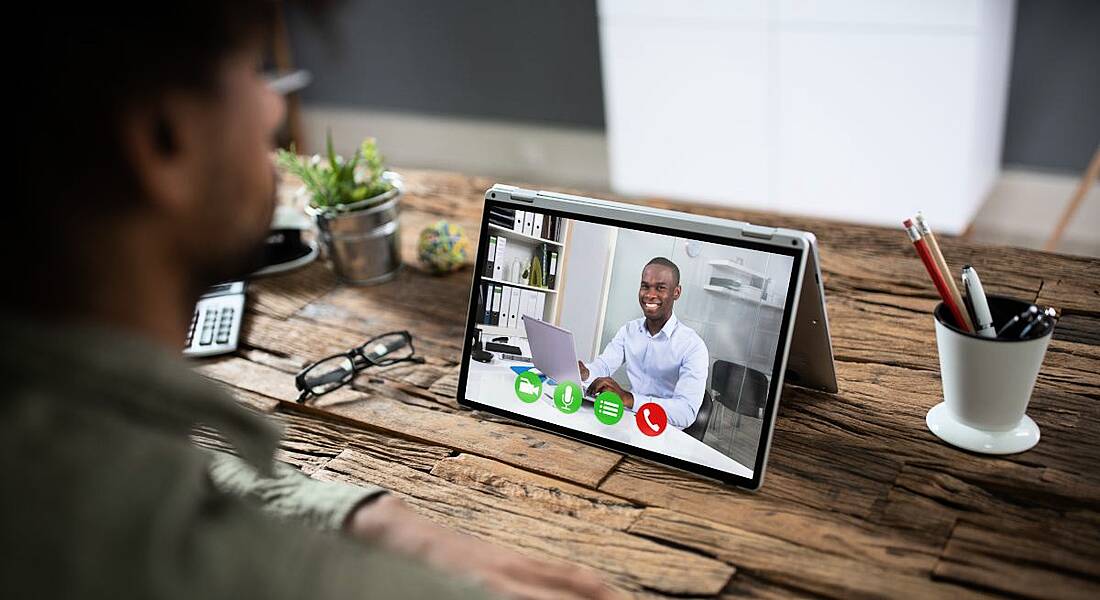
{"points": [[553, 351], [705, 318]]}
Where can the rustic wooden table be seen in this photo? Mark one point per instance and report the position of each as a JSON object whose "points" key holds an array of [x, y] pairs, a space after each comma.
{"points": [[860, 498]]}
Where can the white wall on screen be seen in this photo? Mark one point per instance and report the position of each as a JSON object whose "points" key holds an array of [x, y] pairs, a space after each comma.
{"points": [[587, 261]]}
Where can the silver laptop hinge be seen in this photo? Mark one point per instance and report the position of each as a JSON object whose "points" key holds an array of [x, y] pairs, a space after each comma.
{"points": [[522, 194], [758, 232]]}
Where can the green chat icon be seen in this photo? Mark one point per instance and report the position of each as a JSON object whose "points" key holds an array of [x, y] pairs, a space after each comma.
{"points": [[609, 407], [568, 397], [528, 387]]}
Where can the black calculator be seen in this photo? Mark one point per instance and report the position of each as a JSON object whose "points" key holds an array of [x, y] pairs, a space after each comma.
{"points": [[216, 323]]}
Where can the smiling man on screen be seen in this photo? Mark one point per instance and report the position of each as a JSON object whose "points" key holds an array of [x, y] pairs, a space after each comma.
{"points": [[666, 361]]}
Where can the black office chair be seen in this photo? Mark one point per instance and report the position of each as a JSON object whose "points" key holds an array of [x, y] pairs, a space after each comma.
{"points": [[702, 418], [737, 388], [741, 389]]}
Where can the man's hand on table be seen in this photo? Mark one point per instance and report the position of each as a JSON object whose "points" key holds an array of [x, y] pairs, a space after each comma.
{"points": [[388, 522]]}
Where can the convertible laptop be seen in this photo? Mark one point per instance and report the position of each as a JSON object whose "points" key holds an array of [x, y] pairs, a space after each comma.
{"points": [[651, 332]]}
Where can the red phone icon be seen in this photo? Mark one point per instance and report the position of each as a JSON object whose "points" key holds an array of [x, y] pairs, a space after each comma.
{"points": [[651, 419]]}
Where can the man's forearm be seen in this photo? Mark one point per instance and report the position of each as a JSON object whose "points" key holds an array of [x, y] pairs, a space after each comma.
{"points": [[596, 369], [289, 493]]}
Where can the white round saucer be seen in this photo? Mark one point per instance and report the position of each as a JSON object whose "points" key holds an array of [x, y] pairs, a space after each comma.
{"points": [[1021, 437]]}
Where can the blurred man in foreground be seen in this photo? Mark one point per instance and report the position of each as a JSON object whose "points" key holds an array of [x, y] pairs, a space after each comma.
{"points": [[148, 178]]}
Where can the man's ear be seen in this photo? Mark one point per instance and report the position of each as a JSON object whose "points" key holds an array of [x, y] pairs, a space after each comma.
{"points": [[676, 292], [159, 139]]}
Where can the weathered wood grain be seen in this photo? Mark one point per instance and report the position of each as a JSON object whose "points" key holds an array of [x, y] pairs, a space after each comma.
{"points": [[1059, 559], [816, 571], [436, 318], [745, 585], [767, 514], [443, 194], [308, 442], [447, 384], [628, 561], [247, 375], [257, 402], [527, 448], [860, 500], [284, 295], [286, 364], [1072, 367], [546, 493], [1077, 294], [994, 493], [305, 436], [1083, 329]]}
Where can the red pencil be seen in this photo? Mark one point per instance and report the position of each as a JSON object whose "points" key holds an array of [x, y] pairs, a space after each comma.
{"points": [[934, 272]]}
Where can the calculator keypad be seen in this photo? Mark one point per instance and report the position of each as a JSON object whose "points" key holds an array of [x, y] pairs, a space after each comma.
{"points": [[225, 324], [215, 325]]}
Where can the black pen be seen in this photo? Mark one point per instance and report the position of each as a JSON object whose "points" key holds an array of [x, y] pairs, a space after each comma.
{"points": [[1045, 320], [1026, 317]]}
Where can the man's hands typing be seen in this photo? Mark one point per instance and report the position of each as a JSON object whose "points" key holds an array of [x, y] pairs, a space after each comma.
{"points": [[606, 383]]}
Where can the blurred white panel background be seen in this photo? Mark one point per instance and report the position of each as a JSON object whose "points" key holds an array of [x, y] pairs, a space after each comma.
{"points": [[982, 113]]}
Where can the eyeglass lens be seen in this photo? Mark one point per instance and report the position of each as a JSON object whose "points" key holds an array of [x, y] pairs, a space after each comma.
{"points": [[329, 374]]}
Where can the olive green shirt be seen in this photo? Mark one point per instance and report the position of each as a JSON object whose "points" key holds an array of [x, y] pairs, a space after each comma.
{"points": [[106, 497]]}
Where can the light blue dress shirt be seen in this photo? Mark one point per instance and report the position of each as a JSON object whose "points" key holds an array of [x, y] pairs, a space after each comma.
{"points": [[669, 369]]}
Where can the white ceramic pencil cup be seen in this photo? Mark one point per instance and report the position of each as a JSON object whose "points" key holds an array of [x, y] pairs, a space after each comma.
{"points": [[987, 384]]}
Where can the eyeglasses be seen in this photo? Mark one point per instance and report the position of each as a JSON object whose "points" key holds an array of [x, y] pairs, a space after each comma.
{"points": [[338, 370]]}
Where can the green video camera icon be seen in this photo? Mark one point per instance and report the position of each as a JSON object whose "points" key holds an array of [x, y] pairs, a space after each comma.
{"points": [[528, 387]]}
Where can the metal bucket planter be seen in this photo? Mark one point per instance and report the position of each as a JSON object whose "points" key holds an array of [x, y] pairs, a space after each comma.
{"points": [[363, 238]]}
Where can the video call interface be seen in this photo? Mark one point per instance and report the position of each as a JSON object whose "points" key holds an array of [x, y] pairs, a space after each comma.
{"points": [[660, 342]]}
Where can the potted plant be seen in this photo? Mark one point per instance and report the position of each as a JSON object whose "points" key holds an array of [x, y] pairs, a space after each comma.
{"points": [[355, 203]]}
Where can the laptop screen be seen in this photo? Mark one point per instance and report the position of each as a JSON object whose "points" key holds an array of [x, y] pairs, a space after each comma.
{"points": [[663, 341]]}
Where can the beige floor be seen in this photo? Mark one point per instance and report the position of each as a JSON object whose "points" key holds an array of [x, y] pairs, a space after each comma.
{"points": [[1025, 205]]}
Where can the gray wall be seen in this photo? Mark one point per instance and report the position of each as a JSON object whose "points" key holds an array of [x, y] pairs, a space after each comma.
{"points": [[525, 60], [1054, 94]]}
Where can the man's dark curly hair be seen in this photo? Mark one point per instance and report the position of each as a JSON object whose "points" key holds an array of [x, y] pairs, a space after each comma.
{"points": [[96, 61]]}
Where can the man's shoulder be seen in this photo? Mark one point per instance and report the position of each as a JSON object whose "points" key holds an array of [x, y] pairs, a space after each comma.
{"points": [[690, 336], [81, 469], [69, 442], [686, 331], [632, 325]]}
